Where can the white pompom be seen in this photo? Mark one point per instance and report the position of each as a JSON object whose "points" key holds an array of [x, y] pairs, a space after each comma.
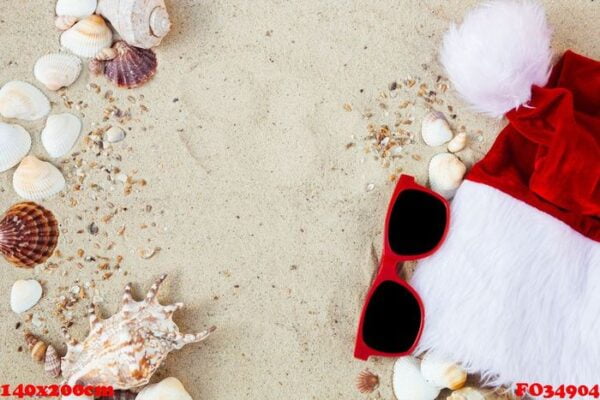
{"points": [[500, 50]]}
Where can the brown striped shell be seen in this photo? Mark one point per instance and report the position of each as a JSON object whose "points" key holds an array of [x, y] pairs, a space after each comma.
{"points": [[132, 67], [28, 234], [52, 362]]}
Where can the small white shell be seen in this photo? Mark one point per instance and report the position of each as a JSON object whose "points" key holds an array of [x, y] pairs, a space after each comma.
{"points": [[170, 388], [442, 373], [60, 134], [64, 22], [22, 100], [409, 384], [446, 173], [458, 143], [75, 8], [24, 295], [15, 143], [435, 129], [87, 37], [57, 70], [467, 393], [114, 134], [35, 179]]}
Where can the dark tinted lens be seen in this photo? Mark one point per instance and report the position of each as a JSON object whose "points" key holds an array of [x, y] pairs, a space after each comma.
{"points": [[392, 319], [417, 223]]}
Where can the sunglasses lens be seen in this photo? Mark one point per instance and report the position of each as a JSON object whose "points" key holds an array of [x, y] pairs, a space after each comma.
{"points": [[392, 319], [417, 223]]}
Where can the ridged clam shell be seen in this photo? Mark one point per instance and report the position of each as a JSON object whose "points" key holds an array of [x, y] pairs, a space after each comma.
{"points": [[60, 134], [57, 70], [87, 37], [28, 234], [169, 388], [22, 100], [35, 179], [442, 373], [76, 8], [467, 393], [15, 143], [52, 362], [458, 143], [409, 384], [24, 295], [446, 173], [132, 67], [435, 129]]}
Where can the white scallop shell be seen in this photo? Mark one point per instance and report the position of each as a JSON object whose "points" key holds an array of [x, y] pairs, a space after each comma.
{"points": [[169, 388], [57, 70], [22, 100], [409, 384], [35, 179], [60, 134], [458, 143], [76, 8], [15, 143], [24, 295], [435, 129], [467, 393], [442, 373], [87, 37], [446, 173]]}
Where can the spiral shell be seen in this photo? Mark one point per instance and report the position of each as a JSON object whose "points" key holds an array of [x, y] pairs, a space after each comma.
{"points": [[60, 134], [57, 70], [22, 100], [75, 8], [15, 143], [52, 362], [132, 67], [28, 234], [35, 179], [87, 37], [37, 348]]}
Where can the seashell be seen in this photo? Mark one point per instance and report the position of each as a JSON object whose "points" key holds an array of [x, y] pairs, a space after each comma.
{"points": [[35, 179], [74, 397], [141, 23], [446, 173], [28, 234], [114, 134], [52, 362], [120, 395], [60, 134], [467, 393], [15, 143], [107, 356], [169, 388], [458, 143], [76, 8], [64, 22], [367, 382], [24, 295], [442, 373], [87, 37], [435, 129], [37, 348], [106, 54], [409, 384], [22, 100], [132, 67], [96, 67], [57, 70]]}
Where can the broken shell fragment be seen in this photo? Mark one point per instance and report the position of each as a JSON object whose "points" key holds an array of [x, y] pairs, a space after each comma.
{"points": [[170, 388], [64, 22], [114, 134], [15, 143], [37, 348], [57, 70], [446, 173], [75, 8], [96, 67], [24, 295], [435, 129], [35, 179], [22, 100], [409, 384], [458, 143], [52, 362], [467, 393], [442, 373], [60, 134], [87, 37], [132, 67]]}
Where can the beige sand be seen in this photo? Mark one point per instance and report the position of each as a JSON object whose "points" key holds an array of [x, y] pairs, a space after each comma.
{"points": [[261, 212]]}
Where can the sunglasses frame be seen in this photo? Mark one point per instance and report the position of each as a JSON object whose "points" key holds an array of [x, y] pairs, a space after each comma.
{"points": [[388, 270]]}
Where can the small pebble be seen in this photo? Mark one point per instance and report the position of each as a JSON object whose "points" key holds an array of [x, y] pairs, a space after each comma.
{"points": [[93, 228], [370, 187]]}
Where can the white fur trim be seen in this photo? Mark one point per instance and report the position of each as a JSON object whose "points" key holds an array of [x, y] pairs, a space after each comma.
{"points": [[513, 293], [500, 50]]}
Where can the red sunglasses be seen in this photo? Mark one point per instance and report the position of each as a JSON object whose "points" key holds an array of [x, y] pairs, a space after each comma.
{"points": [[392, 317]]}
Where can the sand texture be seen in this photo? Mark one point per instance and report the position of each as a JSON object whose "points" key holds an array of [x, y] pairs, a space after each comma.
{"points": [[247, 162]]}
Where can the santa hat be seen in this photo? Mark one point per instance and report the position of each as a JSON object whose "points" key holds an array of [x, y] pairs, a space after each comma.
{"points": [[514, 291]]}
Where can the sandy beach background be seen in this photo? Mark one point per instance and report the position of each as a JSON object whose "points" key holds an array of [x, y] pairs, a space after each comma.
{"points": [[260, 193]]}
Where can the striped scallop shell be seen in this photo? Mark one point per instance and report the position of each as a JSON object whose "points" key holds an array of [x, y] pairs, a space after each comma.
{"points": [[22, 100], [35, 179], [15, 143], [132, 67], [87, 37], [75, 8], [60, 134], [28, 234], [57, 70]]}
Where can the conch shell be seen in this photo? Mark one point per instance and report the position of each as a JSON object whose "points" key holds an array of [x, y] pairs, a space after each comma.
{"points": [[126, 349], [141, 23]]}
